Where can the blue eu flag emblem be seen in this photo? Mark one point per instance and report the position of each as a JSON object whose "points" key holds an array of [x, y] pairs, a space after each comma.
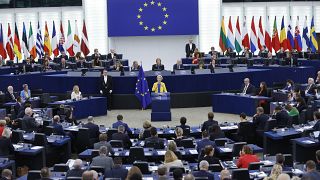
{"points": [[142, 89]]}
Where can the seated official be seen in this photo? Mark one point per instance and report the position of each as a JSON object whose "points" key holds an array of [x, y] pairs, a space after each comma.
{"points": [[209, 155], [301, 104], [280, 159], [145, 133], [29, 123], [154, 140], [96, 62], [171, 160], [78, 57], [117, 171], [246, 157], [179, 136], [57, 127], [77, 169], [289, 86], [228, 52], [215, 132], [25, 94], [28, 66], [6, 147], [201, 65], [246, 53], [263, 90], [263, 50], [281, 53], [103, 160], [118, 67], [213, 53], [63, 64], [212, 65], [10, 97], [178, 65], [260, 119], [292, 111], [120, 135], [81, 63], [310, 89], [93, 128], [247, 87], [76, 94], [64, 56], [135, 66], [312, 172], [46, 63], [205, 141], [245, 128], [209, 122], [172, 146], [112, 54], [96, 54], [282, 117], [103, 142], [158, 66], [183, 122], [316, 117], [196, 58], [159, 86], [204, 171], [121, 123]]}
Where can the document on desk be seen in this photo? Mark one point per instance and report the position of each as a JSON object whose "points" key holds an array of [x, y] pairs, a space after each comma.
{"points": [[267, 162], [16, 146], [161, 153], [153, 168], [308, 142], [193, 151], [226, 149], [297, 171], [36, 147]]}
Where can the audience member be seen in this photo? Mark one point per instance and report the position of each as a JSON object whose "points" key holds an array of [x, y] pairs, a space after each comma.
{"points": [[209, 122], [301, 104], [179, 136], [189, 177], [118, 171], [215, 132], [121, 136], [177, 174], [103, 142], [260, 119], [275, 171], [280, 160], [292, 111], [103, 159], [154, 140], [281, 116], [183, 122], [171, 160], [120, 122], [25, 94], [10, 96], [316, 117], [145, 133], [225, 175], [57, 127], [283, 176], [205, 141], [134, 172], [45, 174], [247, 87], [310, 89], [318, 160], [204, 171], [246, 157], [289, 86], [209, 155], [93, 128], [6, 174], [29, 123], [162, 173], [77, 169], [312, 172], [172, 146], [6, 147]]}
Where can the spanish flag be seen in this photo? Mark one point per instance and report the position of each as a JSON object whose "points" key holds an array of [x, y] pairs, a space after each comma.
{"points": [[47, 44], [16, 43], [283, 36]]}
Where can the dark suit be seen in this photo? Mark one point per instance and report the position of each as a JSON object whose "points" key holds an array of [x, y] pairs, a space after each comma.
{"points": [[58, 129], [124, 138], [105, 87], [29, 124], [214, 136], [158, 142], [94, 55], [178, 67], [316, 127], [74, 173], [10, 97], [262, 93], [109, 56], [93, 130], [245, 131], [203, 143], [210, 159], [282, 118], [207, 124], [251, 90], [313, 175], [116, 172], [203, 173], [65, 57], [260, 122], [211, 68], [6, 147], [81, 64], [190, 51], [28, 67], [156, 67], [311, 89], [301, 107]]}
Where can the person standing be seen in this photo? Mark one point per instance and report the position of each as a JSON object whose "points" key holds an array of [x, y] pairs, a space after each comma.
{"points": [[106, 87]]}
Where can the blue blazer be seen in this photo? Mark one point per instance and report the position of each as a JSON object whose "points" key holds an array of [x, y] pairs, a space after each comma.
{"points": [[58, 129], [116, 172], [119, 123], [203, 143], [23, 96], [202, 173]]}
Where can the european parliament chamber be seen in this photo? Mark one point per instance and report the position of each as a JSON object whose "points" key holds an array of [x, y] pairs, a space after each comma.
{"points": [[159, 89]]}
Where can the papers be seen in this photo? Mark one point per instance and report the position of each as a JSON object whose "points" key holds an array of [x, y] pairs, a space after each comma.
{"points": [[127, 153], [226, 149], [149, 153], [316, 134], [161, 152], [153, 168], [308, 141], [258, 174], [16, 146], [229, 127], [267, 162], [36, 147], [297, 171], [193, 151]]}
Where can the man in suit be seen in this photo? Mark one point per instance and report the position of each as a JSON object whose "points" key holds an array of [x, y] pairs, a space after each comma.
{"points": [[204, 167], [103, 160], [190, 47], [121, 123], [247, 87], [178, 65], [154, 139], [312, 173], [112, 54], [260, 119], [213, 53], [310, 89], [29, 123], [316, 117], [93, 128], [118, 171], [204, 141], [158, 66], [281, 116], [106, 87], [10, 97], [57, 127], [96, 54], [77, 169], [209, 122], [120, 135], [27, 65], [103, 142]]}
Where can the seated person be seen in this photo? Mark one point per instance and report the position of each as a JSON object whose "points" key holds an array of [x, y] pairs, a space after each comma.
{"points": [[301, 104], [246, 157], [96, 54], [246, 53], [77, 169], [45, 173], [204, 171], [28, 66], [201, 65], [247, 87], [245, 128], [280, 160], [7, 174], [118, 67], [282, 117], [263, 90], [159, 86], [213, 53], [76, 94], [135, 66], [196, 58], [281, 53], [276, 172], [212, 65], [260, 119], [46, 63], [145, 133], [215, 132], [171, 160], [6, 147], [292, 111], [64, 56], [103, 160], [310, 89], [63, 63], [318, 159], [228, 52], [178, 65], [103, 142], [263, 50], [93, 128], [25, 94], [78, 57], [158, 66], [10, 97], [289, 86], [117, 171], [205, 141], [29, 123], [96, 61], [208, 155], [57, 127], [316, 117], [120, 122], [120, 135], [209, 122], [183, 122], [154, 141], [112, 54], [179, 136], [312, 172], [172, 146]]}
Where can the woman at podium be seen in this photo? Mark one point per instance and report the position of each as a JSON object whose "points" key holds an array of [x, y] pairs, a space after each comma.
{"points": [[159, 86]]}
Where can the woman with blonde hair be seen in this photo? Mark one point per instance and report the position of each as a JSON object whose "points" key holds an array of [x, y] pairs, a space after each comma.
{"points": [[172, 146], [145, 133], [276, 171], [133, 173], [76, 94], [171, 160]]}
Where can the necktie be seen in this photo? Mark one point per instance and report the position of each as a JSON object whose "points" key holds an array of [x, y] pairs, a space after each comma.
{"points": [[159, 86], [245, 89]]}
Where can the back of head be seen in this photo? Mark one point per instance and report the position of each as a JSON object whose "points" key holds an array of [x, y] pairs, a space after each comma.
{"points": [[310, 165], [177, 174], [7, 173], [103, 137], [87, 175], [121, 129], [135, 176], [77, 164], [283, 176], [162, 170], [179, 131], [280, 158], [119, 117], [243, 115], [103, 150], [146, 124], [172, 146], [204, 165], [316, 115], [153, 131], [205, 134], [133, 172], [210, 115], [276, 171], [56, 118], [28, 111], [169, 156], [208, 149], [260, 110], [45, 172], [183, 120], [189, 177], [117, 161], [90, 119], [225, 174], [246, 149]]}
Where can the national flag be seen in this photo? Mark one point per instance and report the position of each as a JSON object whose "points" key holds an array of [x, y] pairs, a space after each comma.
{"points": [[32, 46], [3, 52], [313, 37], [9, 44], [230, 35], [267, 37], [69, 44], [39, 42], [54, 42], [261, 41], [283, 35], [238, 39], [223, 38], [245, 35], [16, 43], [76, 39], [297, 37], [305, 36], [84, 41], [61, 39], [25, 42], [290, 39], [253, 37], [142, 89], [275, 36], [47, 45]]}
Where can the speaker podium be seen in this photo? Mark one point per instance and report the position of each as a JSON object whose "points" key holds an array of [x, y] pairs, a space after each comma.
{"points": [[160, 107]]}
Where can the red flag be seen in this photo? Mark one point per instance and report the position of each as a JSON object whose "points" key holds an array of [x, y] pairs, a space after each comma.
{"points": [[267, 37], [84, 41], [9, 44], [275, 36], [245, 35], [261, 41], [3, 52]]}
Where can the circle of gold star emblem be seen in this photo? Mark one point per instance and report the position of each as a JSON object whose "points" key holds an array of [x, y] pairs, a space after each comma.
{"points": [[153, 4]]}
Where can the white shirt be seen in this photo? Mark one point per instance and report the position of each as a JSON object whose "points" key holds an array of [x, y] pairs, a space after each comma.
{"points": [[105, 78], [245, 89], [76, 96], [190, 46]]}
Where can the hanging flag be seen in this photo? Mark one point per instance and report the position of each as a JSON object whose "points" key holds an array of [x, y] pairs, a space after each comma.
{"points": [[142, 89], [84, 41], [267, 37], [261, 41], [16, 45], [76, 39], [305, 36], [230, 36], [62, 39], [69, 44], [238, 39], [245, 35], [47, 45], [3, 52], [297, 37], [313, 37], [54, 42], [39, 42], [253, 37], [275, 36], [290, 39], [9, 44], [223, 38], [31, 45], [25, 42], [283, 35]]}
